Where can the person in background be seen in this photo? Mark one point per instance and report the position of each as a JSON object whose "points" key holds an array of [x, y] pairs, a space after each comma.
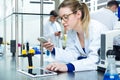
{"points": [[106, 15], [52, 29], [83, 39]]}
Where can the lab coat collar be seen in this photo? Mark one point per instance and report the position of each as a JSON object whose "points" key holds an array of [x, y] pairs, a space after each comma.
{"points": [[78, 46]]}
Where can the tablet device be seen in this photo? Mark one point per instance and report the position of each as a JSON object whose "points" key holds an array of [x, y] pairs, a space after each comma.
{"points": [[37, 72]]}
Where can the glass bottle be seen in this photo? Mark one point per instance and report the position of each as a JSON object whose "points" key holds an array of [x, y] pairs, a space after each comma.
{"points": [[111, 71]]}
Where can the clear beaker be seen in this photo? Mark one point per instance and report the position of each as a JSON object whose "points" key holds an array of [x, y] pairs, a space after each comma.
{"points": [[111, 71]]}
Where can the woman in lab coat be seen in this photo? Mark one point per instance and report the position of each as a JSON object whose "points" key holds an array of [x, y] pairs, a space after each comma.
{"points": [[83, 39]]}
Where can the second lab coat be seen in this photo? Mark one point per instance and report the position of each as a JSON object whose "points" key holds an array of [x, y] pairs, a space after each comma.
{"points": [[74, 50], [106, 17], [49, 32]]}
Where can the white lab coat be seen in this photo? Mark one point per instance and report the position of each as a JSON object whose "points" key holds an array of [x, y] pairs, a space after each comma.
{"points": [[106, 17], [74, 50], [117, 38], [49, 32]]}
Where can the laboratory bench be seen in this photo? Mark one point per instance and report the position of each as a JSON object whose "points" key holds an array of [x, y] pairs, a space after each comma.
{"points": [[8, 72]]}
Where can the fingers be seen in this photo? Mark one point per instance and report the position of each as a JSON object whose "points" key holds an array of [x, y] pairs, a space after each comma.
{"points": [[57, 67], [57, 33], [52, 67], [49, 46]]}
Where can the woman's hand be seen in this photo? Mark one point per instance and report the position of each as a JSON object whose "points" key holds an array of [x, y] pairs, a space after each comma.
{"points": [[48, 45], [57, 67]]}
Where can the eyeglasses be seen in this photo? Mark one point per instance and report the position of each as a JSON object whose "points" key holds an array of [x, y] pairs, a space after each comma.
{"points": [[66, 16]]}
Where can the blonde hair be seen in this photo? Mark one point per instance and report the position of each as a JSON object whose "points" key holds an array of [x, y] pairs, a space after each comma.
{"points": [[75, 5]]}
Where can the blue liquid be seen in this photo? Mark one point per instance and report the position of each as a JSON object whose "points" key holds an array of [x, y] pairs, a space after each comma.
{"points": [[48, 53], [109, 76]]}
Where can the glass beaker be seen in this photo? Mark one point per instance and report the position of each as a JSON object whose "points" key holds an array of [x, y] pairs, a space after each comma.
{"points": [[111, 71]]}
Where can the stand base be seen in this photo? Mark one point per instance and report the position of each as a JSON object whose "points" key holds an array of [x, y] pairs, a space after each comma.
{"points": [[37, 72]]}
